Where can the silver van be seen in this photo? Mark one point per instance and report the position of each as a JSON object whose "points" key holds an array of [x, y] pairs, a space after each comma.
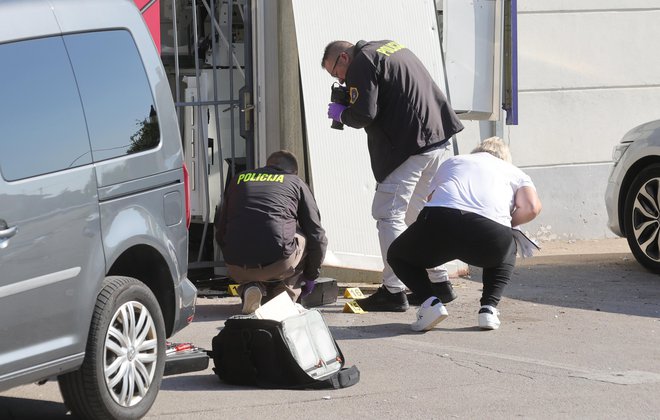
{"points": [[93, 205]]}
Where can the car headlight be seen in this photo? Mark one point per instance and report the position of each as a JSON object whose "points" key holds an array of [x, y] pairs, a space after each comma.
{"points": [[618, 151]]}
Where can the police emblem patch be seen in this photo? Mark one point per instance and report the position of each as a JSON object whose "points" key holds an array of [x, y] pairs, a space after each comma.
{"points": [[354, 94]]}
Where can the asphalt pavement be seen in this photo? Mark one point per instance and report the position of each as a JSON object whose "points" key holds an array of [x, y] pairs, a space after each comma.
{"points": [[580, 338]]}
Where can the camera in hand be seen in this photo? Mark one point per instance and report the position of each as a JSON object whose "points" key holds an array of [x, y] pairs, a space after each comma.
{"points": [[339, 95]]}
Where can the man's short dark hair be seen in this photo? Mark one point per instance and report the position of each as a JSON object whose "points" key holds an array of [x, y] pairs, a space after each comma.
{"points": [[333, 49], [284, 160]]}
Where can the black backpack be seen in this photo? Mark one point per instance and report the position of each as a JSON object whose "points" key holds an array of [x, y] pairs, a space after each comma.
{"points": [[298, 352]]}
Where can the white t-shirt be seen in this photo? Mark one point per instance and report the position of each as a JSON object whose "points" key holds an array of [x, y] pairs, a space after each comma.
{"points": [[479, 183]]}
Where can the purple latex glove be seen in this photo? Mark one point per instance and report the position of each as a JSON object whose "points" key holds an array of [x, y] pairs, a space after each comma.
{"points": [[335, 110], [307, 287]]}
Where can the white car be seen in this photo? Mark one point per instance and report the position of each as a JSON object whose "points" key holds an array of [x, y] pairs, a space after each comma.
{"points": [[632, 197]]}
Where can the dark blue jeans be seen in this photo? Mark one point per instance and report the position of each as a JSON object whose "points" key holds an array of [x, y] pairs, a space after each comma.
{"points": [[442, 234]]}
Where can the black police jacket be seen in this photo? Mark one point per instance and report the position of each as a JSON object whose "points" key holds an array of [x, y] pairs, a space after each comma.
{"points": [[393, 97], [260, 213]]}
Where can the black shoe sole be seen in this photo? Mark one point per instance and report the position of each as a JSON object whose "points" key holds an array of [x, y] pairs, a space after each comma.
{"points": [[384, 308], [447, 298], [413, 300]]}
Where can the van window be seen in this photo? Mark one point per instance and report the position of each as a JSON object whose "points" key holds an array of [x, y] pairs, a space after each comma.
{"points": [[42, 126], [115, 92]]}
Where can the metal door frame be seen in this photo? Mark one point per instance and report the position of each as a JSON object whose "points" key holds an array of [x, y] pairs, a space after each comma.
{"points": [[243, 102]]}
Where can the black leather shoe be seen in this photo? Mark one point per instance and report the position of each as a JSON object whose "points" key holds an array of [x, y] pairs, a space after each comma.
{"points": [[384, 301], [444, 291], [414, 299]]}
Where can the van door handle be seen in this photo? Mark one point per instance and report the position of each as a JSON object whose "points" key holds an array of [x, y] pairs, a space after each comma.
{"points": [[6, 233]]}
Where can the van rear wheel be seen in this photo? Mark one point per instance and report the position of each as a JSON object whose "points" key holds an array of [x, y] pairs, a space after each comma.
{"points": [[125, 356]]}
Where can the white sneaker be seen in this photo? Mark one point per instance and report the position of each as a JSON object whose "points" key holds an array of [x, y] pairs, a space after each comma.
{"points": [[429, 314], [251, 299], [488, 319]]}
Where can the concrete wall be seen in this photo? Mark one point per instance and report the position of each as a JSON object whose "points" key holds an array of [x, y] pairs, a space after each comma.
{"points": [[588, 73]]}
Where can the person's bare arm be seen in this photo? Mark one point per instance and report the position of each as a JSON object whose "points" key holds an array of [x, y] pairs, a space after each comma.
{"points": [[528, 206]]}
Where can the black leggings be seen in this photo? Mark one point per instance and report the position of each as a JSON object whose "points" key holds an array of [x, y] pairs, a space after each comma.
{"points": [[442, 234]]}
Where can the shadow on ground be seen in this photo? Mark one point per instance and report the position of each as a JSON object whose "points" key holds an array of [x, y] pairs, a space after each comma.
{"points": [[12, 408], [604, 282]]}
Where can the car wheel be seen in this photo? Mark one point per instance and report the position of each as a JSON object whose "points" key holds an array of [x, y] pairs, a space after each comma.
{"points": [[125, 355], [642, 218]]}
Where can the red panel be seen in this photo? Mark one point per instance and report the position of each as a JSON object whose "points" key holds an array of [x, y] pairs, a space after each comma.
{"points": [[152, 18], [140, 3]]}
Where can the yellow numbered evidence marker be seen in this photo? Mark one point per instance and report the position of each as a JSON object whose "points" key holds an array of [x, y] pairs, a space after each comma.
{"points": [[353, 293], [233, 289], [353, 307]]}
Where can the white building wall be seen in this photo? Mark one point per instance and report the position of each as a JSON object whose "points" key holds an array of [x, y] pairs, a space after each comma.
{"points": [[342, 179], [588, 72]]}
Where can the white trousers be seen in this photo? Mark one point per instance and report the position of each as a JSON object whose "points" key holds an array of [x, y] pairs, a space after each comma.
{"points": [[398, 201]]}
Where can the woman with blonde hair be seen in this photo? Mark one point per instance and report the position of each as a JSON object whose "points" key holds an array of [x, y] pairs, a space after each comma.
{"points": [[476, 199]]}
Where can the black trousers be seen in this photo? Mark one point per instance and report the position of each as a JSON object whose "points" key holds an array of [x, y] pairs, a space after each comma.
{"points": [[442, 234]]}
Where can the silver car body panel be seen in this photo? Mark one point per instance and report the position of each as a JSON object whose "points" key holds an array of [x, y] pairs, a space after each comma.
{"points": [[48, 287]]}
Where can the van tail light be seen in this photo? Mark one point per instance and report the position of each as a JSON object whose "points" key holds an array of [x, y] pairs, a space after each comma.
{"points": [[186, 185]]}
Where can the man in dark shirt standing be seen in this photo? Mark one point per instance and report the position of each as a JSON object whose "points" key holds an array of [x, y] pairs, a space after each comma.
{"points": [[269, 230], [409, 124]]}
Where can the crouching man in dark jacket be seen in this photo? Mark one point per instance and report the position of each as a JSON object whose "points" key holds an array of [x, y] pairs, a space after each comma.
{"points": [[269, 230]]}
